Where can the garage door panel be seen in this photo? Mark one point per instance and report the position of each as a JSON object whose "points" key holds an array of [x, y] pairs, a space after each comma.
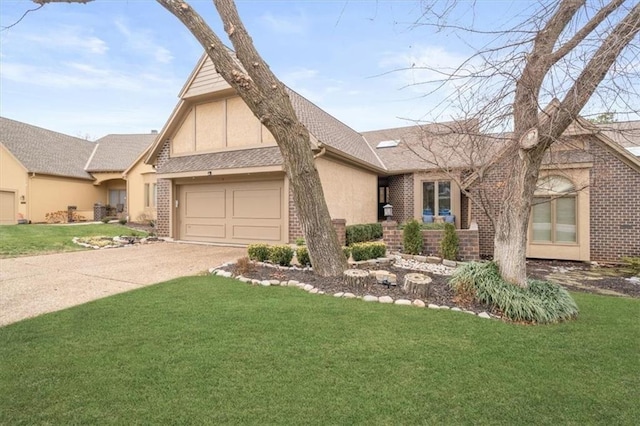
{"points": [[205, 204], [262, 233], [7, 208], [240, 212], [257, 204], [206, 231]]}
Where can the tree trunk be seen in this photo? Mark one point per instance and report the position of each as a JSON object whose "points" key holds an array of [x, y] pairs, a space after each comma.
{"points": [[267, 98]]}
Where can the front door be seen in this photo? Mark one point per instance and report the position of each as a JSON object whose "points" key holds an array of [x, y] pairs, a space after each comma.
{"points": [[117, 199]]}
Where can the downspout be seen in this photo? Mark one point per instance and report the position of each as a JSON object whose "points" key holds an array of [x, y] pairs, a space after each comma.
{"points": [[322, 152]]}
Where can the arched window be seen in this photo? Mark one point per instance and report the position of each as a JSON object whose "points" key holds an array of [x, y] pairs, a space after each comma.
{"points": [[554, 211]]}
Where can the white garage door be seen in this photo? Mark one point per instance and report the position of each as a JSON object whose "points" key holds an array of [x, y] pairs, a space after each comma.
{"points": [[242, 213], [8, 208]]}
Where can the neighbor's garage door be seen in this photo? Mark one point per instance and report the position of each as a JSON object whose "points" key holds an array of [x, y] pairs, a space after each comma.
{"points": [[243, 212], [7, 208]]}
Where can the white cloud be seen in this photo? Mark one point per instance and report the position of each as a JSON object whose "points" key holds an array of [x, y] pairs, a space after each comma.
{"points": [[297, 24], [142, 41], [68, 38]]}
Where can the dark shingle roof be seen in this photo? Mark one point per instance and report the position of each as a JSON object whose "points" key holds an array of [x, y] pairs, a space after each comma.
{"points": [[331, 131], [429, 147], [114, 153], [257, 157], [44, 151]]}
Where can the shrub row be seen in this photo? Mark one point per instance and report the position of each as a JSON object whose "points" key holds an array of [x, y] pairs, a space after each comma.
{"points": [[283, 254], [541, 302], [366, 251], [363, 233]]}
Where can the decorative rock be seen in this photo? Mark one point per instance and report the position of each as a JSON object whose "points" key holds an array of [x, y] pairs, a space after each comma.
{"points": [[314, 291], [418, 303], [444, 307], [321, 292], [284, 283], [369, 298], [245, 280], [403, 302], [349, 296], [275, 282], [406, 256], [484, 315], [432, 306], [301, 285], [307, 287], [385, 260], [225, 274], [265, 283], [293, 283], [422, 259], [449, 263], [255, 282], [433, 259], [385, 299], [338, 294], [212, 271], [469, 312], [455, 308]]}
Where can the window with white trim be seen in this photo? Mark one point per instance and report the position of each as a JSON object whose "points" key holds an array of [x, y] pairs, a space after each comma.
{"points": [[436, 198], [554, 211]]}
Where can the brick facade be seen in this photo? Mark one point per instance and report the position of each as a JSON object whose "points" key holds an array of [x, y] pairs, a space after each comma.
{"points": [[401, 197], [163, 221], [295, 227], [469, 243], [615, 207]]}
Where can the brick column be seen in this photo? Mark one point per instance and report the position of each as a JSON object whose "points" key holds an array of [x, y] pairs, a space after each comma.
{"points": [[391, 235], [340, 225]]}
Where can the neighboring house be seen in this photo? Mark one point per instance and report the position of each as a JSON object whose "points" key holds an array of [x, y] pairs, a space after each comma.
{"points": [[42, 171], [220, 173], [221, 179]]}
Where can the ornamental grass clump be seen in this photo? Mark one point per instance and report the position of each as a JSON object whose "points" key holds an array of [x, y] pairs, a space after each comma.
{"points": [[541, 302], [281, 255], [259, 252], [412, 237]]}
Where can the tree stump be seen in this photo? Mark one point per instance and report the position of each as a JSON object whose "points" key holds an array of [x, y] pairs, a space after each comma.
{"points": [[357, 278], [417, 284]]}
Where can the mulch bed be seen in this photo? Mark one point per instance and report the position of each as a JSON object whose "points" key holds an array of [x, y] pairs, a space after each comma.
{"points": [[439, 294]]}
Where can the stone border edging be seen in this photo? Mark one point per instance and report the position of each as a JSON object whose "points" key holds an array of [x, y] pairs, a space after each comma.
{"points": [[345, 295]]}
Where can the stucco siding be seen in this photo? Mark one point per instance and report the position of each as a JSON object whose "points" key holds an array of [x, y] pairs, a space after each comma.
{"points": [[51, 193], [13, 178], [350, 192], [138, 176]]}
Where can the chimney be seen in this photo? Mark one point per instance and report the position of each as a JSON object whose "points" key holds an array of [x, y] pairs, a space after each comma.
{"points": [[154, 132]]}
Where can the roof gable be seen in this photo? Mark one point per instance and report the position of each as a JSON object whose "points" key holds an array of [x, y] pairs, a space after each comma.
{"points": [[44, 151]]}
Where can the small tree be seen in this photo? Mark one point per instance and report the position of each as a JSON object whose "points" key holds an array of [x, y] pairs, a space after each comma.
{"points": [[412, 237], [450, 244]]}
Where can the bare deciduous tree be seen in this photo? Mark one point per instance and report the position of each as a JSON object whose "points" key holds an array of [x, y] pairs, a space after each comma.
{"points": [[565, 51], [267, 98]]}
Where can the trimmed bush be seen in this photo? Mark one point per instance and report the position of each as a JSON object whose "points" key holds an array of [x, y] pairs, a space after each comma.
{"points": [[303, 256], [259, 252], [347, 252], [363, 233], [300, 241], [122, 221], [412, 237], [366, 251], [450, 244], [542, 302], [632, 263], [281, 255]]}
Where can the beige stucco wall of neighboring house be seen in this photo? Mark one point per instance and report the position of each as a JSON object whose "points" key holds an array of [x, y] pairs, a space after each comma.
{"points": [[14, 179], [137, 177], [419, 178], [101, 177], [53, 193], [581, 250], [219, 125], [350, 192]]}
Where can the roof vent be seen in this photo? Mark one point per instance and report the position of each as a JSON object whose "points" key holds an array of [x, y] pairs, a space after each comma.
{"points": [[388, 144], [154, 132]]}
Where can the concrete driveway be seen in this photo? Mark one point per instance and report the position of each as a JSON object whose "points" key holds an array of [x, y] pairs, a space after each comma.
{"points": [[34, 285]]}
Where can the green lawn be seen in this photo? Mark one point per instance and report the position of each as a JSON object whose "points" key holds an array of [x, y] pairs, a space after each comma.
{"points": [[209, 350], [20, 240]]}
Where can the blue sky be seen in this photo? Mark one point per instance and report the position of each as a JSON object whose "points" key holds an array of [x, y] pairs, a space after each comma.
{"points": [[118, 66]]}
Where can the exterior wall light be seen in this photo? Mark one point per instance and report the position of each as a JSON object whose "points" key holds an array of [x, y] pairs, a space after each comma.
{"points": [[388, 211]]}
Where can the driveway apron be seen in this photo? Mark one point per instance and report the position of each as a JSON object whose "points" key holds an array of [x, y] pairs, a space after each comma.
{"points": [[34, 285]]}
